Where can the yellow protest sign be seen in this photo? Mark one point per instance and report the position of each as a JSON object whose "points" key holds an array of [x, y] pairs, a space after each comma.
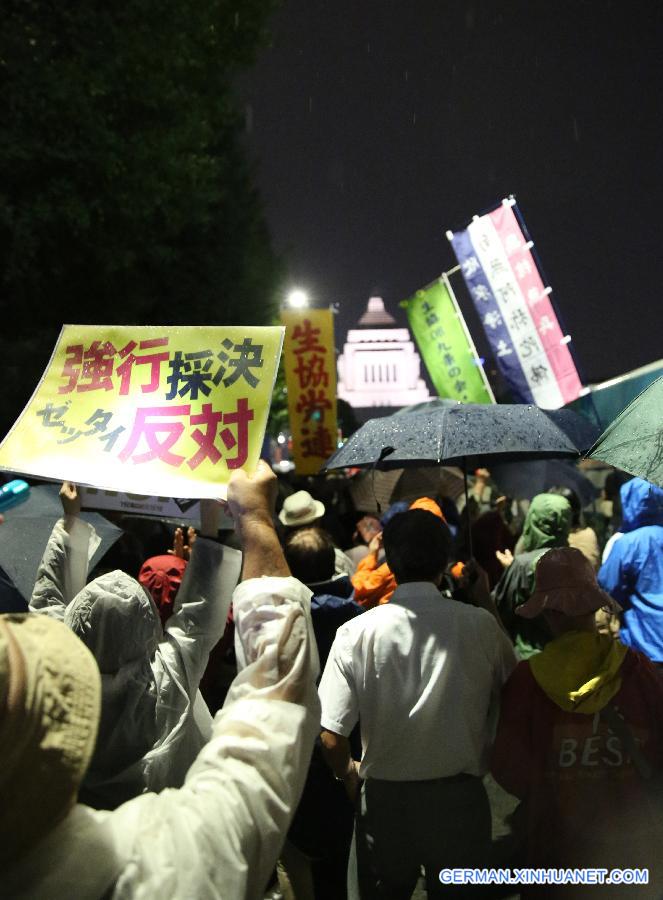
{"points": [[158, 410], [310, 373]]}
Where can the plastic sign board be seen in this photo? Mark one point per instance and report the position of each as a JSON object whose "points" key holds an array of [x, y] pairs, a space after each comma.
{"points": [[163, 411], [309, 359]]}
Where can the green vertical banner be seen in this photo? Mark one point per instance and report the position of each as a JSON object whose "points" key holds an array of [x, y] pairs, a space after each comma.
{"points": [[445, 344]]}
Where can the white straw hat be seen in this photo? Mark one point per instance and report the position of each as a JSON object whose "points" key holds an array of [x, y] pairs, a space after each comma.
{"points": [[301, 509]]}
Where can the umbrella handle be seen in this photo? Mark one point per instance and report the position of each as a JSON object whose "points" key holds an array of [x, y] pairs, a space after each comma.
{"points": [[467, 508], [378, 505], [383, 454]]}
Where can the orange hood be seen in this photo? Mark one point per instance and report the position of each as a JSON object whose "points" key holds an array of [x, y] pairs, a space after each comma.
{"points": [[430, 506]]}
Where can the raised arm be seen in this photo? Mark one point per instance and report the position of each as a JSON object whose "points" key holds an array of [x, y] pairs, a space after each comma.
{"points": [[251, 501], [203, 600], [231, 817], [63, 569]]}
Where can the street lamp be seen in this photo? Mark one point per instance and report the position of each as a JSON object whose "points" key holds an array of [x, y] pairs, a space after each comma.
{"points": [[297, 299]]}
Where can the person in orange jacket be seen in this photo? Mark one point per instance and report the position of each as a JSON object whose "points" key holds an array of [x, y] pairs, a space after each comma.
{"points": [[373, 582]]}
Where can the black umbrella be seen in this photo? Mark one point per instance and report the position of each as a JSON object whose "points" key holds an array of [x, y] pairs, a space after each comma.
{"points": [[427, 406], [26, 530], [468, 435], [582, 432], [524, 480]]}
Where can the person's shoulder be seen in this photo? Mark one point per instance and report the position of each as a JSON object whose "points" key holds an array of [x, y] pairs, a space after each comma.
{"points": [[637, 665], [325, 605], [653, 532], [641, 680], [483, 628], [373, 619], [475, 615], [522, 675]]}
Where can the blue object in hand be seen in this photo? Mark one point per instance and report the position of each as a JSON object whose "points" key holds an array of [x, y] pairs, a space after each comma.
{"points": [[13, 492]]}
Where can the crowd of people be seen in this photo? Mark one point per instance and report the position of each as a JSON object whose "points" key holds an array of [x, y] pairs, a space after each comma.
{"points": [[322, 704]]}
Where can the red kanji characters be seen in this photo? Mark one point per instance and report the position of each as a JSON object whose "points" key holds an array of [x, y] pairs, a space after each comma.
{"points": [[158, 449], [313, 404], [241, 418], [161, 448], [308, 338], [205, 439], [317, 443], [311, 372], [152, 359], [97, 367], [70, 370]]}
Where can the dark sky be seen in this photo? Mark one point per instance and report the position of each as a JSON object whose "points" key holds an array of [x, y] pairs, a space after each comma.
{"points": [[377, 126]]}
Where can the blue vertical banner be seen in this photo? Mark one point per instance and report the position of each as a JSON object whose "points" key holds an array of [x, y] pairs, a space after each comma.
{"points": [[515, 309]]}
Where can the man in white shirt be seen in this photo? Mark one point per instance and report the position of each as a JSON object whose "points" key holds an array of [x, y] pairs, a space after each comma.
{"points": [[422, 674]]}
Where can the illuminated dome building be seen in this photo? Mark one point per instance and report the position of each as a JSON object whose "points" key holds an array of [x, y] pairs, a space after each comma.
{"points": [[379, 365]]}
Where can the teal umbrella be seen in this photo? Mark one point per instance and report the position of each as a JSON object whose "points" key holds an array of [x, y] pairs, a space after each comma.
{"points": [[634, 441]]}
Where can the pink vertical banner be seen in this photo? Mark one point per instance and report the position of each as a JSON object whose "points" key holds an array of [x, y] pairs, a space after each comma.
{"points": [[535, 295]]}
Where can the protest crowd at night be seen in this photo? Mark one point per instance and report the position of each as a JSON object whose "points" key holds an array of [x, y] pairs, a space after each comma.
{"points": [[305, 599]]}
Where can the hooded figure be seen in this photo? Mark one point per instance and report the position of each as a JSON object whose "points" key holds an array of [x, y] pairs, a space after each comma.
{"points": [[633, 572], [153, 719], [547, 524], [569, 719], [162, 576], [217, 836]]}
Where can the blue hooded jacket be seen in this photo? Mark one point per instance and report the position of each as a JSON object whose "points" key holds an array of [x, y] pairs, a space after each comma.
{"points": [[633, 573]]}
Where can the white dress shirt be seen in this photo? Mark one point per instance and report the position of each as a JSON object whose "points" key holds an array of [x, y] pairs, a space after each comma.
{"points": [[422, 674]]}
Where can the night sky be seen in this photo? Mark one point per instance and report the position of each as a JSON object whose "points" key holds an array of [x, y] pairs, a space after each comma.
{"points": [[376, 126]]}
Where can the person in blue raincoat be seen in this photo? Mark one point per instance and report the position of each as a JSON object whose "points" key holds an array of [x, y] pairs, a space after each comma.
{"points": [[633, 573]]}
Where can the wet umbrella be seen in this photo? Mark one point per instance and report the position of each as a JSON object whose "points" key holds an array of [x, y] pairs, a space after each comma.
{"points": [[375, 492], [524, 480], [26, 530], [634, 441], [582, 432], [467, 435], [427, 406]]}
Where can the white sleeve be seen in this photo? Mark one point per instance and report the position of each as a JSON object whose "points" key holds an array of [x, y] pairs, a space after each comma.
{"points": [[220, 835], [63, 569], [201, 609], [340, 706]]}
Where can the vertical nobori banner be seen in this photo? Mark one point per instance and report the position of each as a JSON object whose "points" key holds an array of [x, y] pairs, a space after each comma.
{"points": [[309, 358], [515, 309], [445, 344]]}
